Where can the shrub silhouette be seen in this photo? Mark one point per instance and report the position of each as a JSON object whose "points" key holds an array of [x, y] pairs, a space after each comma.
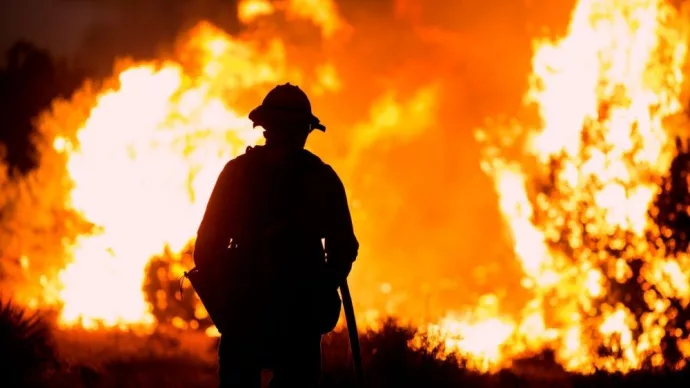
{"points": [[27, 350]]}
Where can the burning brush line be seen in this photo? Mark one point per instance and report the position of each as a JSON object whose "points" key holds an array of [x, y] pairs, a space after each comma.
{"points": [[576, 189], [577, 197]]}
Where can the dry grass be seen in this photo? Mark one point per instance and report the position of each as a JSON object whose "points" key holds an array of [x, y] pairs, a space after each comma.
{"points": [[172, 359], [186, 359]]}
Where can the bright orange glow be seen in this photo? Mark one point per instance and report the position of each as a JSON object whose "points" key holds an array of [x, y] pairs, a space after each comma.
{"points": [[250, 10], [603, 93], [141, 152]]}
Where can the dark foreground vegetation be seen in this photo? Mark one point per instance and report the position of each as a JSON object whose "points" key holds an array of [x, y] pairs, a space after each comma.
{"points": [[34, 355]]}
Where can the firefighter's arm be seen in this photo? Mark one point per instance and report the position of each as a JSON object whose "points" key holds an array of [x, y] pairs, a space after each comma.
{"points": [[340, 242], [213, 235]]}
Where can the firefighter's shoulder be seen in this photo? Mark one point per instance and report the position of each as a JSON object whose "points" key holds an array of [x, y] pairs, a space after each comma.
{"points": [[233, 165], [326, 174], [242, 158], [317, 164]]}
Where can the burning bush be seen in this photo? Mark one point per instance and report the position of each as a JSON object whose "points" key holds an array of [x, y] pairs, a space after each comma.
{"points": [[583, 193], [171, 302]]}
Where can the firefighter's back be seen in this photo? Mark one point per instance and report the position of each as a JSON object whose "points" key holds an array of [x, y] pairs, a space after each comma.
{"points": [[278, 214], [274, 205]]}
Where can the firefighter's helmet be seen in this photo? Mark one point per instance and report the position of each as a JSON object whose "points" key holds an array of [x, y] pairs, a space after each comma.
{"points": [[285, 103]]}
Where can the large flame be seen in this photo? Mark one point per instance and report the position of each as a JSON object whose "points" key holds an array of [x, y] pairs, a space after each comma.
{"points": [[576, 202], [143, 149], [144, 159]]}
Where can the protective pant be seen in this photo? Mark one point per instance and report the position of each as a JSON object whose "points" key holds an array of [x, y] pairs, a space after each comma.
{"points": [[294, 358]]}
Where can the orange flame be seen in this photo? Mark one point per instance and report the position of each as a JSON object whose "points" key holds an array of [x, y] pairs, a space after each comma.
{"points": [[142, 152], [151, 142], [603, 93]]}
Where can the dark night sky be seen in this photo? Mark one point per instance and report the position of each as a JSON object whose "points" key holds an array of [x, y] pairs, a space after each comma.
{"points": [[92, 32], [55, 24], [79, 28]]}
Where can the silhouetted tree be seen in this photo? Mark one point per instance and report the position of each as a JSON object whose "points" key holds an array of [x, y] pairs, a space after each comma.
{"points": [[669, 213], [29, 80]]}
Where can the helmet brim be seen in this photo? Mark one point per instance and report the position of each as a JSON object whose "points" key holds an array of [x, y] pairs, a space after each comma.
{"points": [[261, 114]]}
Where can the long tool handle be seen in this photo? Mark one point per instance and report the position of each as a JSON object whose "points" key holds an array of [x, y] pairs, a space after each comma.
{"points": [[353, 334]]}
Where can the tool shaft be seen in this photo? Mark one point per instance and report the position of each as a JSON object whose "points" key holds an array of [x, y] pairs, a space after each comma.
{"points": [[353, 333]]}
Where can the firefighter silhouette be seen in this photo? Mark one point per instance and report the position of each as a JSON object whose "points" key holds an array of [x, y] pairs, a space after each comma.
{"points": [[273, 246]]}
